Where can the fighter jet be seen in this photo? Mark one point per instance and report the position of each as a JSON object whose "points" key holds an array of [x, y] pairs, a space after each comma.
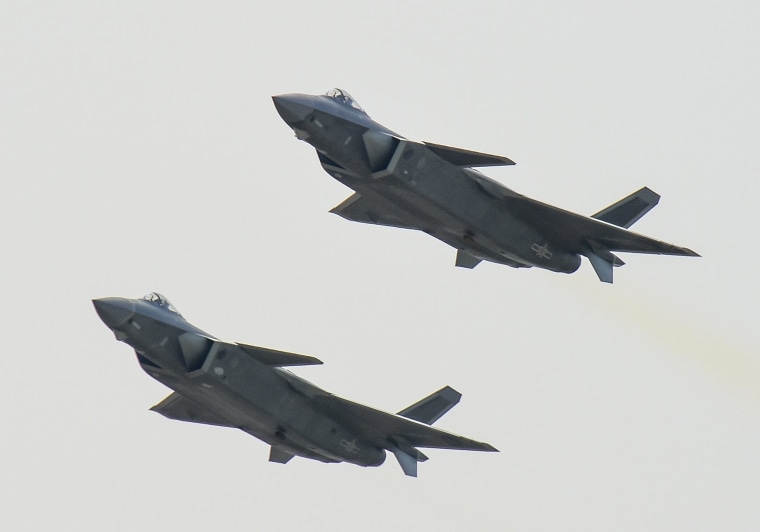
{"points": [[245, 387], [436, 189]]}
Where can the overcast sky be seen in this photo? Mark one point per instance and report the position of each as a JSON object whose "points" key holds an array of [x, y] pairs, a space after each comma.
{"points": [[140, 151]]}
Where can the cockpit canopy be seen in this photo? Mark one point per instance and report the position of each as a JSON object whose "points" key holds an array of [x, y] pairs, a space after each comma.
{"points": [[160, 301], [344, 98]]}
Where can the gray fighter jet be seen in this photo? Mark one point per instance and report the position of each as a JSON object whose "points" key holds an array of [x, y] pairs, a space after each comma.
{"points": [[246, 387], [435, 189]]}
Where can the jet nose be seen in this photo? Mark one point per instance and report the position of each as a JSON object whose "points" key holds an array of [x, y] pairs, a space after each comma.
{"points": [[114, 311], [292, 108]]}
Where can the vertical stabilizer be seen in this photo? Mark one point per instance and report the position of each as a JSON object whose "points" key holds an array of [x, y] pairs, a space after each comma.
{"points": [[465, 260], [630, 209], [407, 462], [279, 455], [602, 267], [603, 261], [431, 408]]}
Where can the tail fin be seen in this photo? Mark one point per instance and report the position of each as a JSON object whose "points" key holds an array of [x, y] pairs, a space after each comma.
{"points": [[408, 457], [428, 411], [431, 408], [279, 455], [465, 260], [603, 261], [630, 209]]}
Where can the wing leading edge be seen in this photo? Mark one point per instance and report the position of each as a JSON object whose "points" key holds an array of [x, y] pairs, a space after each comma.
{"points": [[467, 158], [272, 357], [179, 407], [357, 208]]}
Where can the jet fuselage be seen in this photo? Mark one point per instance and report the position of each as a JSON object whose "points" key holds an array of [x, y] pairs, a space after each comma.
{"points": [[435, 189], [240, 391], [457, 205]]}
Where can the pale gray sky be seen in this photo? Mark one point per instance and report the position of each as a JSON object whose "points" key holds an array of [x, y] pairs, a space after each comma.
{"points": [[140, 151]]}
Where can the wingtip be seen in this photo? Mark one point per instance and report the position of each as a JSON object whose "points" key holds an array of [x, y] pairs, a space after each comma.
{"points": [[453, 395], [686, 252], [310, 361], [651, 195]]}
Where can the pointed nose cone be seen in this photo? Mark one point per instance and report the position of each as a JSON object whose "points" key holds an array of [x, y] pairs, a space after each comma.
{"points": [[114, 311], [292, 108]]}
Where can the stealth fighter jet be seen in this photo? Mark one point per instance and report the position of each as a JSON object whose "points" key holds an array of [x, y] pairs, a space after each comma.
{"points": [[245, 387], [435, 189]]}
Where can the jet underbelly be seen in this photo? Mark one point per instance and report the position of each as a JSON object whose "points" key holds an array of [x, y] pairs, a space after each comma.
{"points": [[222, 401], [251, 396]]}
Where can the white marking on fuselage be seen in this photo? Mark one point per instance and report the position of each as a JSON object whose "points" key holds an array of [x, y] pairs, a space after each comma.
{"points": [[350, 446], [542, 251]]}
